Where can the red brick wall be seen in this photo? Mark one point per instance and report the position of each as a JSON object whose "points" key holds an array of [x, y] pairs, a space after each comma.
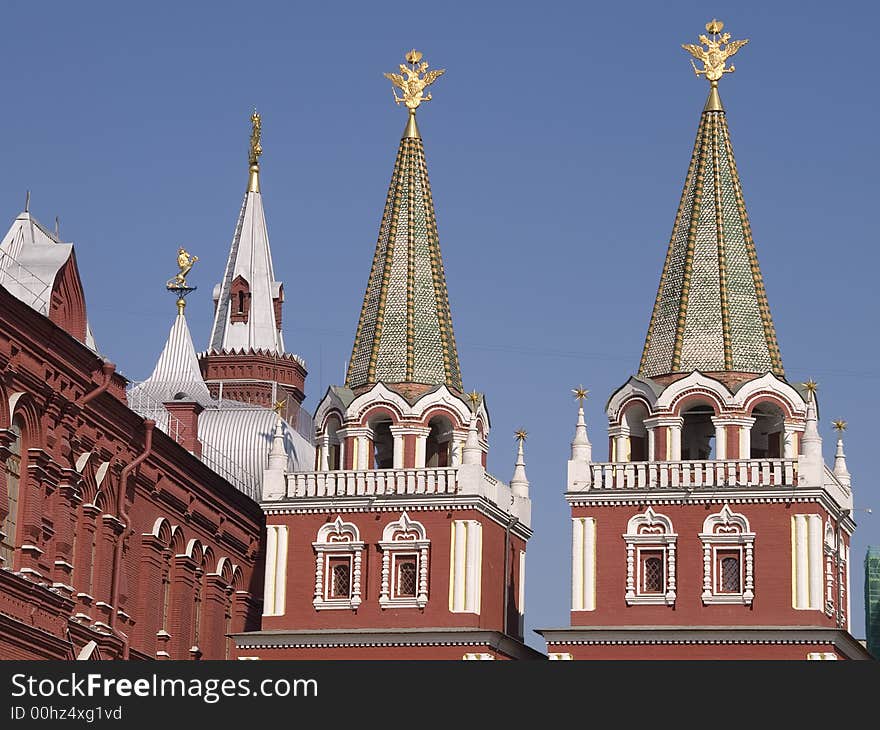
{"points": [[772, 604]]}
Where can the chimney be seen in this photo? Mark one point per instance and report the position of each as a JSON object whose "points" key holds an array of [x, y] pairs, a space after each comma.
{"points": [[183, 426]]}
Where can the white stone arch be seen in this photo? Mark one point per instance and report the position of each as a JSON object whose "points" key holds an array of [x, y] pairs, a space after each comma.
{"points": [[770, 383], [379, 394], [443, 397], [404, 540], [727, 532], [650, 533], [697, 382], [337, 543], [633, 388]]}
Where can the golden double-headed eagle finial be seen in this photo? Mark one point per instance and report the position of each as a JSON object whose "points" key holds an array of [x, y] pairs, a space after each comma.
{"points": [[718, 48], [413, 80]]}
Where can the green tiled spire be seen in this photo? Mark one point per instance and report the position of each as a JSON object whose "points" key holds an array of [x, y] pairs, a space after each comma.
{"points": [[405, 330], [711, 312]]}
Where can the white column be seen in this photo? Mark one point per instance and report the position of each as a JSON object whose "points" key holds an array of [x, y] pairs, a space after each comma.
{"points": [[799, 554], [280, 571], [457, 444], [720, 438], [421, 445], [815, 556], [521, 607], [398, 451], [651, 441], [269, 578], [583, 562], [577, 564], [473, 589], [363, 452], [620, 434], [675, 441], [456, 566], [325, 453], [789, 442], [848, 612]]}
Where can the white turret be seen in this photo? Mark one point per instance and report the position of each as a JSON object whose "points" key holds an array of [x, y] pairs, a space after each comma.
{"points": [[840, 470], [579, 473], [811, 468], [519, 483]]}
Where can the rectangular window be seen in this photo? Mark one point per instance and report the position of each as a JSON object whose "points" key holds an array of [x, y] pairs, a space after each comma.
{"points": [[13, 478], [728, 572], [406, 576], [652, 573], [339, 577]]}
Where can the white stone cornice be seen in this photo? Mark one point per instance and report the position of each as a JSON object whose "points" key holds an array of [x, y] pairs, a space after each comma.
{"points": [[667, 420]]}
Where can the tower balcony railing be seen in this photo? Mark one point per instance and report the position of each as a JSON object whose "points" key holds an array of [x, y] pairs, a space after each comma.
{"points": [[694, 474], [366, 482]]}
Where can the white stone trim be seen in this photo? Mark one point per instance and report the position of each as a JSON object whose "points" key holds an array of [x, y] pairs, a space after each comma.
{"points": [[465, 566], [337, 539], [736, 532], [274, 593], [521, 597], [404, 537], [482, 655], [637, 541], [807, 548], [583, 564]]}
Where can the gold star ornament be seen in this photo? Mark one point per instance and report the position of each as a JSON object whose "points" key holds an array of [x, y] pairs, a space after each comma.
{"points": [[521, 434], [812, 386], [474, 398], [839, 425], [279, 406], [580, 393]]}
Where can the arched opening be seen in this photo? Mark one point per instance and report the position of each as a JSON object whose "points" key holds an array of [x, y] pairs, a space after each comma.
{"points": [[698, 432], [634, 417], [438, 448], [9, 525], [332, 443], [767, 438], [383, 444]]}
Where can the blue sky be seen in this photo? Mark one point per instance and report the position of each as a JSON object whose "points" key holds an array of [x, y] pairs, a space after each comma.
{"points": [[557, 145]]}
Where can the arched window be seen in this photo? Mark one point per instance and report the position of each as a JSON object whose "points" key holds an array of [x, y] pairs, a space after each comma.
{"points": [[634, 417], [438, 447], [650, 559], [383, 444], [404, 564], [728, 558], [338, 552], [698, 432], [13, 484], [768, 432]]}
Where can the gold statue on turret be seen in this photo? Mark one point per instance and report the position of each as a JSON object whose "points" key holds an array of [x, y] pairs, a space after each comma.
{"points": [[185, 262], [413, 80], [714, 56]]}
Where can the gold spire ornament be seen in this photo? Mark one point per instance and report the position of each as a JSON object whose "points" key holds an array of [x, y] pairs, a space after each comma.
{"points": [[580, 393], [839, 425], [811, 387], [714, 56], [185, 263], [278, 407], [412, 81], [474, 398], [520, 434], [256, 150]]}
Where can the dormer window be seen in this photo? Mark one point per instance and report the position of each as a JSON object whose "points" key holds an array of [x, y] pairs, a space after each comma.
{"points": [[240, 300]]}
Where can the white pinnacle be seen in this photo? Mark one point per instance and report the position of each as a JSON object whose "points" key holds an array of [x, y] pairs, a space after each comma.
{"points": [[840, 470], [472, 453], [581, 449], [519, 483]]}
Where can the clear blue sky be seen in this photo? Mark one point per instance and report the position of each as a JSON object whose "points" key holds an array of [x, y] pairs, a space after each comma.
{"points": [[557, 145]]}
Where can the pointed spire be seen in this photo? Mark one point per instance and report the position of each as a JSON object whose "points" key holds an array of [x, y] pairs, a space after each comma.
{"points": [[277, 453], [471, 453], [811, 440], [248, 298], [840, 470], [519, 483], [404, 333], [177, 369], [711, 311], [581, 449]]}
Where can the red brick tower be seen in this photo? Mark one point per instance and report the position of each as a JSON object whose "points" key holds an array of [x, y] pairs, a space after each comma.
{"points": [[246, 360], [399, 544], [715, 530]]}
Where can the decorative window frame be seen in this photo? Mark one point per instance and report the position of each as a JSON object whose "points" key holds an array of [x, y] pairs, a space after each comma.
{"points": [[337, 539], [830, 550], [735, 534], [650, 531], [404, 537]]}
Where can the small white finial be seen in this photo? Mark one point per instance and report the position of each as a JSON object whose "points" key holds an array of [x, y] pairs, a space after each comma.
{"points": [[472, 453], [519, 483]]}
